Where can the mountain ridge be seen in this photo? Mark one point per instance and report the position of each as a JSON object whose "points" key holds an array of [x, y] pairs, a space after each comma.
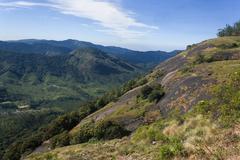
{"points": [[149, 58]]}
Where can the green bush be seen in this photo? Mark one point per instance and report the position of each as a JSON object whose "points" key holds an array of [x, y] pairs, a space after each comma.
{"points": [[13, 152], [60, 140], [203, 59], [31, 143], [85, 133], [109, 130], [190, 46], [21, 147], [142, 81], [103, 130], [145, 91], [173, 148], [156, 95], [152, 93], [129, 85], [61, 124], [150, 133], [133, 84]]}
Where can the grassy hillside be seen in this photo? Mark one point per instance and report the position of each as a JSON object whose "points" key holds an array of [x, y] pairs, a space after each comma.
{"points": [[187, 108]]}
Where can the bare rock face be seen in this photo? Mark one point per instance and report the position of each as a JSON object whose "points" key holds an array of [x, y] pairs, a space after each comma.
{"points": [[186, 78]]}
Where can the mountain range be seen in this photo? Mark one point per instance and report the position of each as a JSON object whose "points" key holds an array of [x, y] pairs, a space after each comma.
{"points": [[51, 47]]}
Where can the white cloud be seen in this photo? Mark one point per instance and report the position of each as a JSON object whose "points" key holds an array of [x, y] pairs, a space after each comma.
{"points": [[19, 4], [107, 14]]}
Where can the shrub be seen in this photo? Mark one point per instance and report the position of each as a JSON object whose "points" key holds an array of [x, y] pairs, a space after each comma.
{"points": [[142, 81], [156, 95], [31, 143], [203, 59], [103, 130], [152, 93], [13, 152], [173, 148], [60, 140], [133, 84], [129, 85], [150, 133], [109, 130], [85, 133], [190, 46], [145, 91], [61, 124], [100, 103]]}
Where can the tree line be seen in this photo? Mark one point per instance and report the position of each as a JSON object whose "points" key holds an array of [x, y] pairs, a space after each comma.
{"points": [[229, 30]]}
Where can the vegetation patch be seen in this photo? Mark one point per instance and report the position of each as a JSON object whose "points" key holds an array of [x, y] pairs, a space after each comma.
{"points": [[102, 130], [225, 106], [152, 93]]}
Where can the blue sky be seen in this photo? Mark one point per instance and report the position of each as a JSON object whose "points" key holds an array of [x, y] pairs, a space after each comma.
{"points": [[135, 24]]}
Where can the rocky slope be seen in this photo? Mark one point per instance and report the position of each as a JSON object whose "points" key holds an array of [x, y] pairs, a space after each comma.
{"points": [[196, 118]]}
